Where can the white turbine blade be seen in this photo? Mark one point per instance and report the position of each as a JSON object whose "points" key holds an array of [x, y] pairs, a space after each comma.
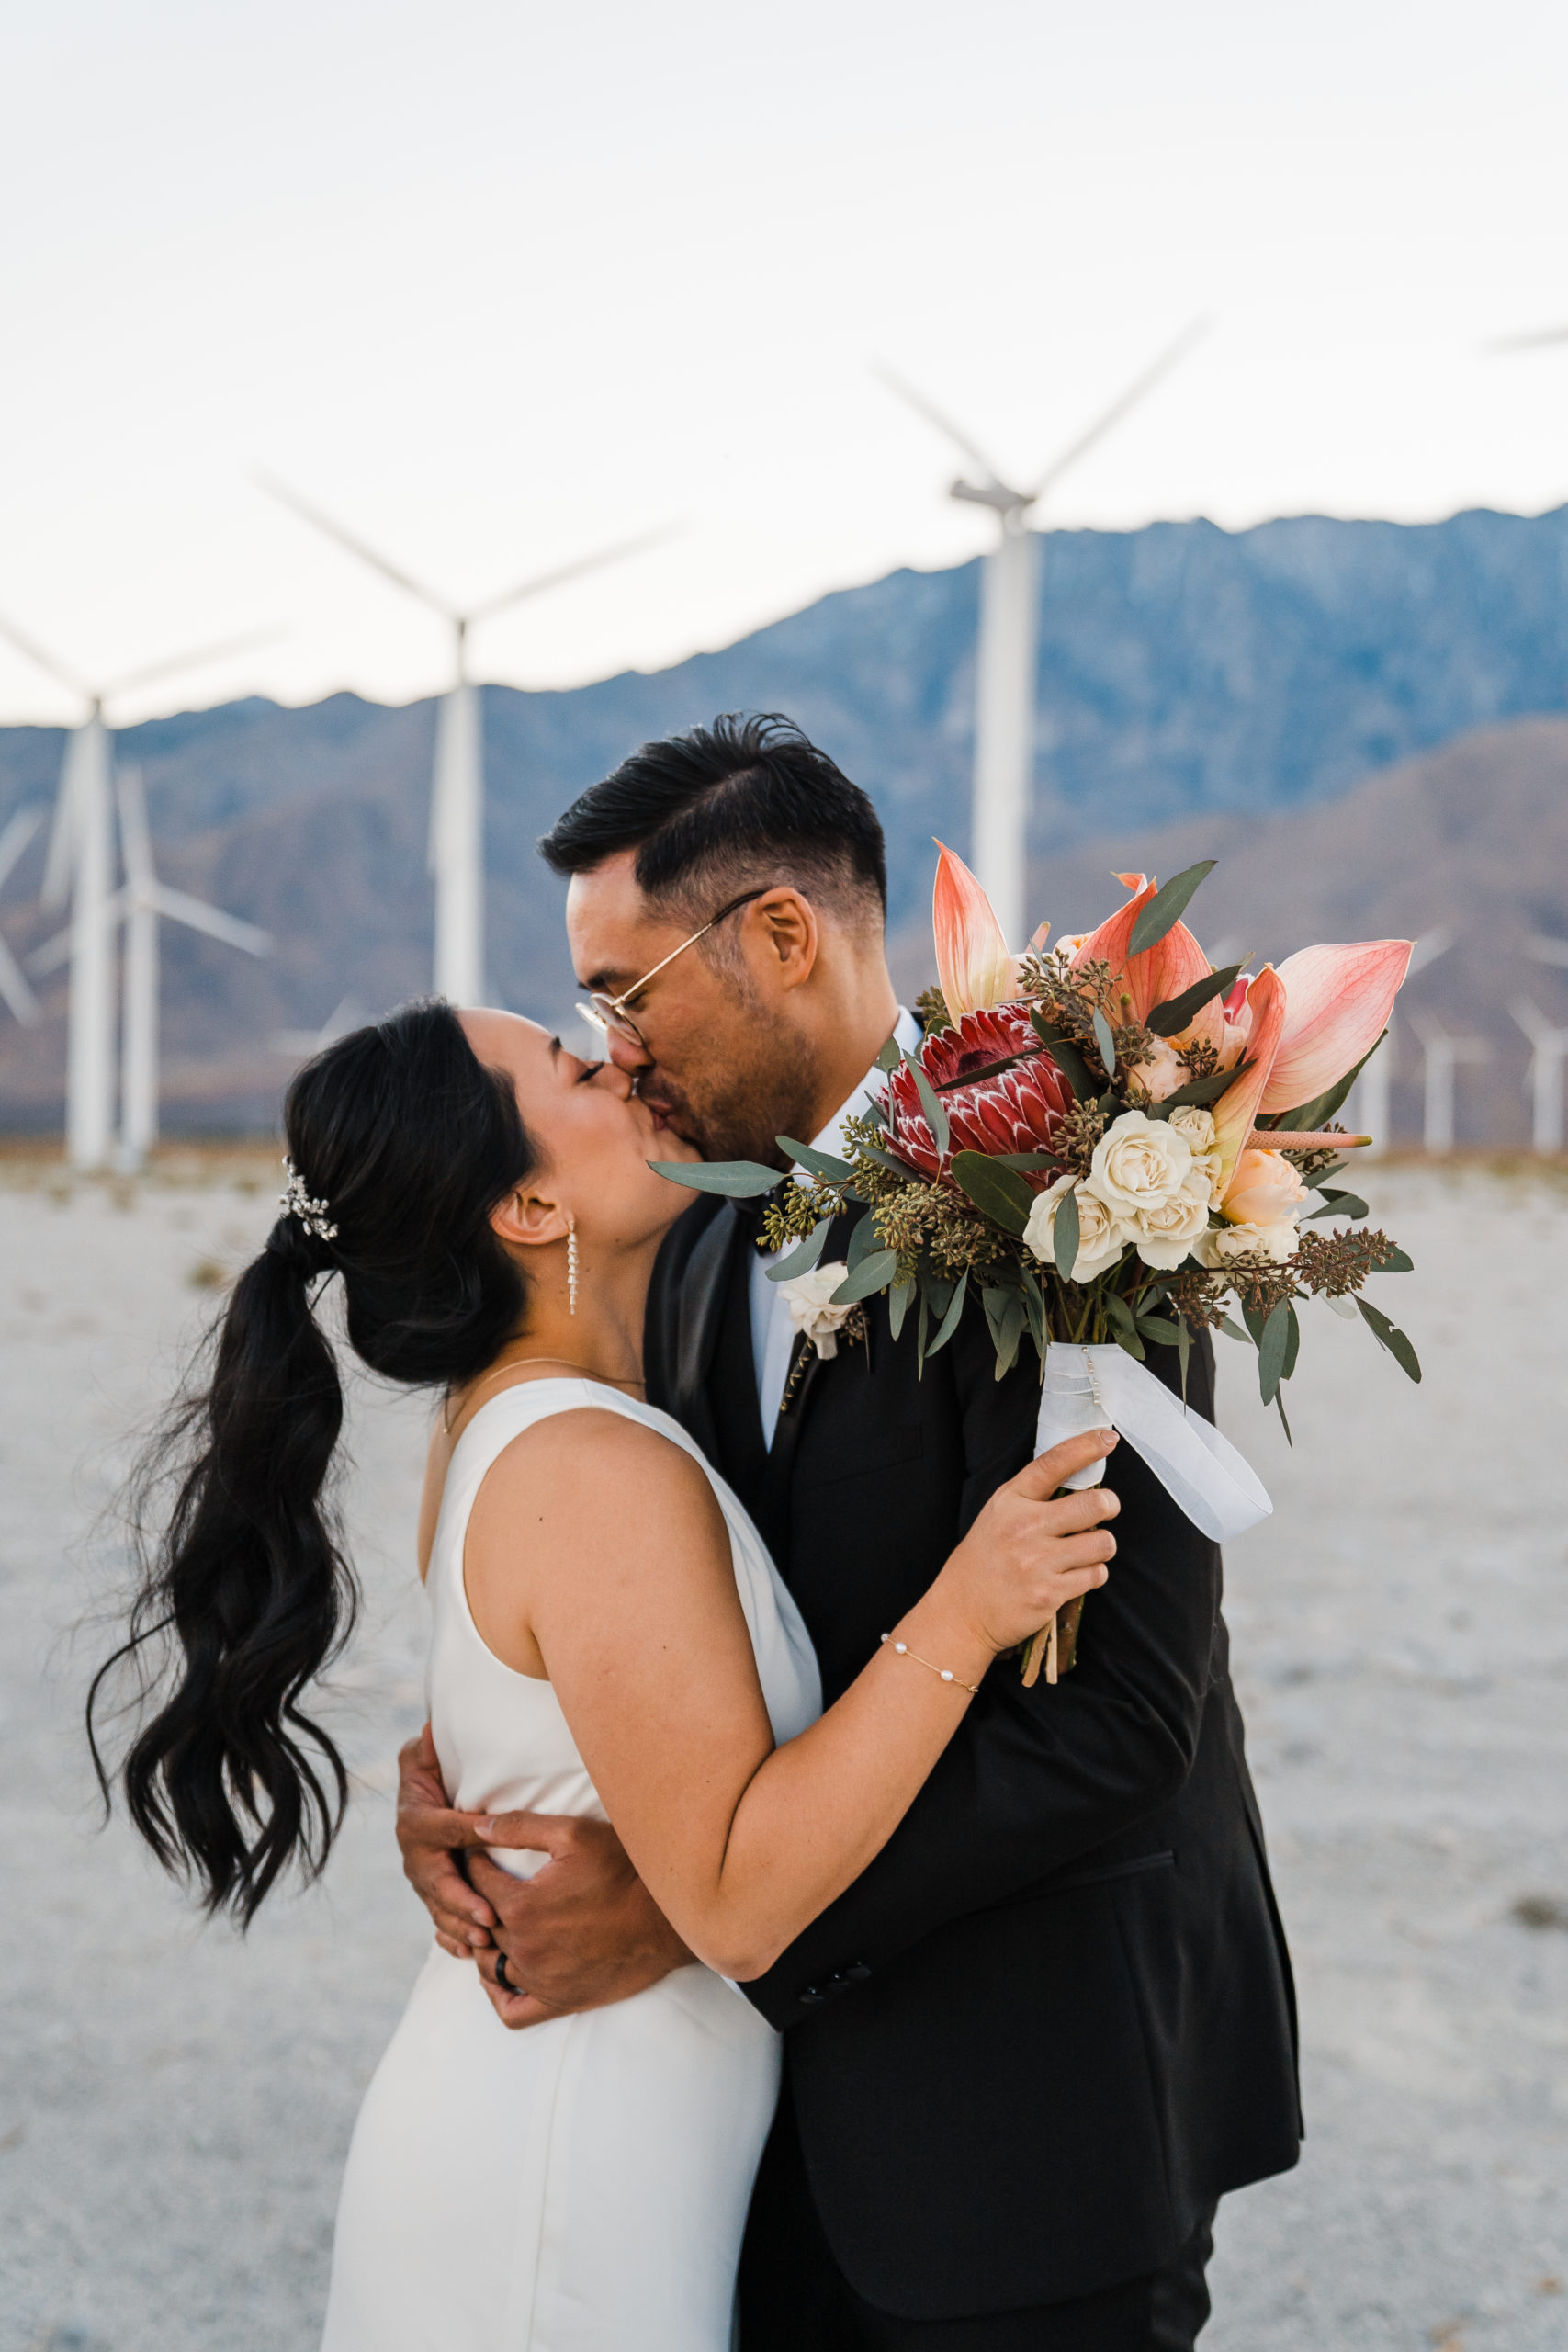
{"points": [[1547, 951], [1539, 341], [192, 660], [16, 837], [14, 990], [35, 653], [311, 513], [135, 839], [1137, 390], [1429, 947], [51, 954], [65, 833], [177, 906], [573, 571], [944, 423], [1532, 1020]]}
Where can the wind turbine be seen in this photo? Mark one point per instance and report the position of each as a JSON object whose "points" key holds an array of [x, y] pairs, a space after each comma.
{"points": [[146, 901], [1440, 1052], [457, 808], [1370, 1108], [13, 980], [1004, 657], [1549, 1049], [80, 868]]}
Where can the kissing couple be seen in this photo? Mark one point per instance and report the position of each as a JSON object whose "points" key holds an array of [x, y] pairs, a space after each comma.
{"points": [[860, 1995]]}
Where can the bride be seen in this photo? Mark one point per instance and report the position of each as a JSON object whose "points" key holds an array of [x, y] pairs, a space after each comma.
{"points": [[608, 1637]]}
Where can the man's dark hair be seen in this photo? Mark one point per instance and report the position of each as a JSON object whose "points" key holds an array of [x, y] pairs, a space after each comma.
{"points": [[748, 799]]}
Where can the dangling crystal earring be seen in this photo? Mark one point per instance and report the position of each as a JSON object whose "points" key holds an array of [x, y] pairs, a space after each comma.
{"points": [[570, 1264]]}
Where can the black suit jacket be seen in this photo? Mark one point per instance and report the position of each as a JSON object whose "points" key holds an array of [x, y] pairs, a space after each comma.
{"points": [[1053, 2021]]}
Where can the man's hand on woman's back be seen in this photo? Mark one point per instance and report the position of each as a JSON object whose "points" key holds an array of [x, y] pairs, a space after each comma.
{"points": [[581, 1932]]}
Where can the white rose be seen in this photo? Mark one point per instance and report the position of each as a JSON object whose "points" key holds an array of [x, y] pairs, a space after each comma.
{"points": [[1196, 1126], [1139, 1163], [1101, 1237], [1223, 1242], [1167, 1235], [809, 1300]]}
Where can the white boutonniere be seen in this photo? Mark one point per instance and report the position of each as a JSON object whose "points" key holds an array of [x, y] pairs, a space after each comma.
{"points": [[809, 1298]]}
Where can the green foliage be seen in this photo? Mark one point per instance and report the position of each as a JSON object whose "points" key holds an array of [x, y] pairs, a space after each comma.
{"points": [[801, 1259], [1168, 906], [997, 1191], [1167, 1019], [737, 1180]]}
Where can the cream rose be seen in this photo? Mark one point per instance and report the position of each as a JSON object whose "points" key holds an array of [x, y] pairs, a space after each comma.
{"points": [[1160, 1072], [1102, 1237], [809, 1300], [1264, 1190], [1196, 1126], [1167, 1235], [1223, 1242], [1139, 1163]]}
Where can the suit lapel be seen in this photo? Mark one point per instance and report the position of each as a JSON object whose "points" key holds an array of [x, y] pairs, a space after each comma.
{"points": [[700, 1314], [806, 1383]]}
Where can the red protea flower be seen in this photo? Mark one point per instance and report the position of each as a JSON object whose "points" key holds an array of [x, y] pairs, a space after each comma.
{"points": [[1015, 1101]]}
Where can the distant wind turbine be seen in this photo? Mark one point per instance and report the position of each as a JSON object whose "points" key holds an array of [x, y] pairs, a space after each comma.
{"points": [[457, 808], [1548, 1050], [13, 980], [80, 869], [1440, 1052], [1005, 658]]}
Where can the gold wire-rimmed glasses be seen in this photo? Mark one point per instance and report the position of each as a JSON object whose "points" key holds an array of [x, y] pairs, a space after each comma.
{"points": [[609, 1013]]}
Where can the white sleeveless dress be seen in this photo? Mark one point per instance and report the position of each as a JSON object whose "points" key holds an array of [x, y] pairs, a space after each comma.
{"points": [[581, 2187]]}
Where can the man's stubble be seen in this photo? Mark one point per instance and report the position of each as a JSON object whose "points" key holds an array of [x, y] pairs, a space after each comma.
{"points": [[738, 1111]]}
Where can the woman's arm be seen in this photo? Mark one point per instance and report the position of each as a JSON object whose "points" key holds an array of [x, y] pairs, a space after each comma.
{"points": [[597, 1553]]}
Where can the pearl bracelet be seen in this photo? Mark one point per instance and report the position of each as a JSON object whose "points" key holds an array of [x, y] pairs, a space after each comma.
{"points": [[945, 1673]]}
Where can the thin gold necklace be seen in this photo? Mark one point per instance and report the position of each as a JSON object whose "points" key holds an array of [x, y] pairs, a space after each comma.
{"points": [[610, 1379]]}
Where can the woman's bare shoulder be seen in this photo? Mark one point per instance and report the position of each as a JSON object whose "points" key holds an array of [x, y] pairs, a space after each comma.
{"points": [[599, 1462]]}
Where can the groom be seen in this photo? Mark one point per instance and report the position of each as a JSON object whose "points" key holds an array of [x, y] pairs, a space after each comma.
{"points": [[1028, 2051]]}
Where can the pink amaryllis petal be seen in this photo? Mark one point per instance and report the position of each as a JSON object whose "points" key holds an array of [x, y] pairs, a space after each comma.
{"points": [[972, 961], [1338, 1001], [1161, 971], [1238, 1107]]}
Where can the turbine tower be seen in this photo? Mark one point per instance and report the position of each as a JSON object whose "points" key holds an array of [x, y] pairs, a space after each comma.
{"points": [[80, 869], [457, 807], [12, 981], [1005, 663], [1441, 1054], [146, 902], [1549, 1049]]}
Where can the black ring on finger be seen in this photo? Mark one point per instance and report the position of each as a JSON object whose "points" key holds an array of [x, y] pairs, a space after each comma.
{"points": [[503, 1979]]}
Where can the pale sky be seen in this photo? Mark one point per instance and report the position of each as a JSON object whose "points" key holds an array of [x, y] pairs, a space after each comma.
{"points": [[502, 283]]}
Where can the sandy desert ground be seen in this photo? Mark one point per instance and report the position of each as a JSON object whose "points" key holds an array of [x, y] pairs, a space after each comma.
{"points": [[175, 2104]]}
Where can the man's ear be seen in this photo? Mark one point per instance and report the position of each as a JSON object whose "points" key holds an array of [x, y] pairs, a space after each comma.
{"points": [[784, 930], [528, 1220]]}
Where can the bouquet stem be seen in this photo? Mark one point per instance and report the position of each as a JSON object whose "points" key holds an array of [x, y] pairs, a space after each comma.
{"points": [[1056, 1646]]}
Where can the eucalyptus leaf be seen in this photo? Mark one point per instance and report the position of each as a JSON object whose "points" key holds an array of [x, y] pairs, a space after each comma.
{"points": [[1166, 909], [1345, 1307], [1035, 1308], [1294, 1342], [1396, 1262], [738, 1180], [922, 1326], [1279, 1408], [890, 1160], [1031, 1162], [1184, 1347], [1066, 1054], [1105, 1042], [1065, 1234], [873, 1273], [890, 1057], [998, 1193], [1391, 1337], [1234, 1331], [1348, 1205], [801, 1261], [1271, 1350], [862, 1241], [1174, 1015], [950, 1321], [936, 1116], [898, 1299], [1160, 1329], [1203, 1090], [816, 1163]]}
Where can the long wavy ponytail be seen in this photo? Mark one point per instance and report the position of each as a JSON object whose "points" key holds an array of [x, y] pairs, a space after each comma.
{"points": [[408, 1143]]}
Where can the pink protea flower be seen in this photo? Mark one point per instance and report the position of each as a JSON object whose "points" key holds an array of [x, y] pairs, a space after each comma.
{"points": [[1004, 1110]]}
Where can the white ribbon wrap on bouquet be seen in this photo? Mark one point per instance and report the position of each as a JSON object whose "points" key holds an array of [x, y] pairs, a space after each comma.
{"points": [[1104, 1388]]}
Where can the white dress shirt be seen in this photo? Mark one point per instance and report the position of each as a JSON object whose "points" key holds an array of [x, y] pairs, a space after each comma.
{"points": [[773, 1333]]}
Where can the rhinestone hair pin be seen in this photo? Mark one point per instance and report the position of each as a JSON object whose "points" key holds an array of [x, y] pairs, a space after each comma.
{"points": [[295, 1201]]}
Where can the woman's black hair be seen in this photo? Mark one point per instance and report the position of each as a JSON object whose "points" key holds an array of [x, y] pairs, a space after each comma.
{"points": [[405, 1143]]}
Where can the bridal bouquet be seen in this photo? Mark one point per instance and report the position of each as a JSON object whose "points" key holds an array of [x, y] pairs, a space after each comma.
{"points": [[1109, 1144]]}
